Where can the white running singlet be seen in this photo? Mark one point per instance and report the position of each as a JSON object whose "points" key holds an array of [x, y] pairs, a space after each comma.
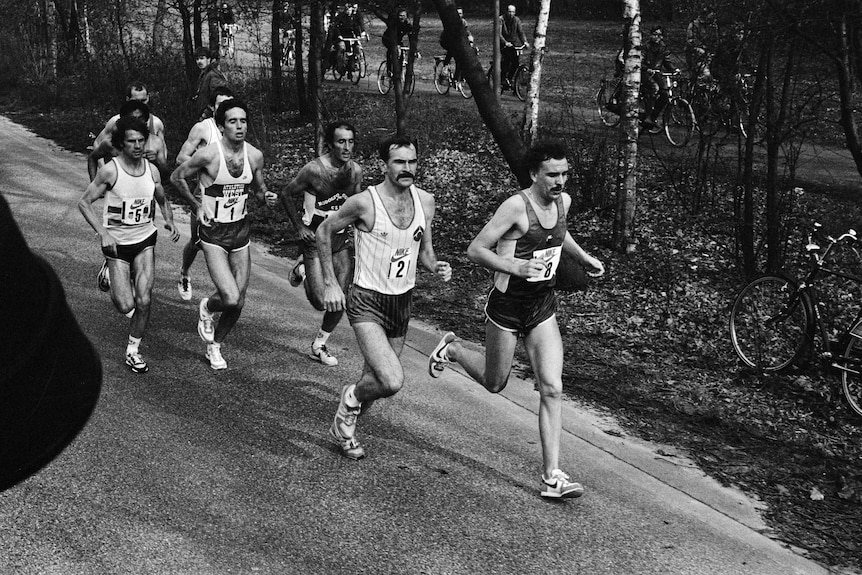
{"points": [[386, 256], [129, 205], [224, 199]]}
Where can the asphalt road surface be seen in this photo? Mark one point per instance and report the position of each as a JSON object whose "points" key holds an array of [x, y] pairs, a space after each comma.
{"points": [[189, 471]]}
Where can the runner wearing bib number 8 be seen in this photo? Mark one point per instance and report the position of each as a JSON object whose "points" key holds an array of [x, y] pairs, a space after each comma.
{"points": [[522, 244], [227, 171], [131, 186]]}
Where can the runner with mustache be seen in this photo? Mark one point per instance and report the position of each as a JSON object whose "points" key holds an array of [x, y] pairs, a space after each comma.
{"points": [[393, 234], [228, 170], [522, 244]]}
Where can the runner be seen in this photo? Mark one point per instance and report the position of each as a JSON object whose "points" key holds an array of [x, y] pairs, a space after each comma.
{"points": [[134, 91], [226, 171], [522, 244], [154, 148], [201, 135], [129, 185], [325, 183], [393, 233]]}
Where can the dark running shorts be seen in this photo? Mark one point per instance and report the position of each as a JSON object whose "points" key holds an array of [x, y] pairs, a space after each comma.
{"points": [[520, 314], [340, 242], [392, 312], [129, 252], [231, 237]]}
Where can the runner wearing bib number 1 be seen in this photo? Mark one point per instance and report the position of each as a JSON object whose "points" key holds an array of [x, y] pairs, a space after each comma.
{"points": [[522, 244], [227, 172], [131, 186]]}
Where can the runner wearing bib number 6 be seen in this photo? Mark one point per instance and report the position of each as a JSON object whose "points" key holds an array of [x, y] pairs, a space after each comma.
{"points": [[522, 244], [227, 171], [131, 186]]}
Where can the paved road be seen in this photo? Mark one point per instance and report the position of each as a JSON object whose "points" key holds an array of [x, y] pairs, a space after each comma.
{"points": [[189, 471]]}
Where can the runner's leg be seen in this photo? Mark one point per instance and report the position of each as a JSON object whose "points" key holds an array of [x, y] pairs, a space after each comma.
{"points": [[545, 348]]}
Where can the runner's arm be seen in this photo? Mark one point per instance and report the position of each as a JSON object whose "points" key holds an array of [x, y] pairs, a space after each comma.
{"points": [[101, 152], [426, 245], [196, 164], [196, 137], [510, 218], [165, 206], [105, 178], [301, 184], [358, 209]]}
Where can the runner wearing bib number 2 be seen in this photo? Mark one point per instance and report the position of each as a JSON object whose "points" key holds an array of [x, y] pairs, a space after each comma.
{"points": [[522, 244], [393, 234], [131, 186], [227, 172]]}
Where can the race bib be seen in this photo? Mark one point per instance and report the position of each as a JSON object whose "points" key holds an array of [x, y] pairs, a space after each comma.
{"points": [[230, 206], [399, 263], [136, 211], [551, 259]]}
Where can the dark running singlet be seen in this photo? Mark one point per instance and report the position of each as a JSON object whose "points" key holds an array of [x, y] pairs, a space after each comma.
{"points": [[539, 242], [334, 191]]}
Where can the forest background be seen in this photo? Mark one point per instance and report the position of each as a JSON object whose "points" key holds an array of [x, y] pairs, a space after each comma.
{"points": [[648, 343]]}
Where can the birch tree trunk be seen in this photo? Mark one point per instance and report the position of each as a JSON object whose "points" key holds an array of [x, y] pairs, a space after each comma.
{"points": [[530, 125], [624, 233], [159, 26]]}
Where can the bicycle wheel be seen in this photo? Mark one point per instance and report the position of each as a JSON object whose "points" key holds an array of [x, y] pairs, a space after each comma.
{"points": [[522, 82], [412, 85], [363, 64], [770, 323], [355, 69], [464, 88], [441, 78], [678, 122], [384, 80], [851, 374], [606, 109]]}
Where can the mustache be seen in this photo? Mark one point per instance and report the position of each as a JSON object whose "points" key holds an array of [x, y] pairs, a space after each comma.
{"points": [[406, 175]]}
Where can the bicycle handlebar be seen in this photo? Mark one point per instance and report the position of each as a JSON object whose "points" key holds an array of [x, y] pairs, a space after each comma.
{"points": [[812, 248]]}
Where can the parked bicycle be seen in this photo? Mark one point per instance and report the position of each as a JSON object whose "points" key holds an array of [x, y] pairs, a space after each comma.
{"points": [[351, 61], [445, 79], [775, 319], [228, 41], [384, 74], [716, 107], [676, 117], [519, 82]]}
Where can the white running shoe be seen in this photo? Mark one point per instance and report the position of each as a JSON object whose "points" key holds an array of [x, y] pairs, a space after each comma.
{"points": [[184, 286], [214, 355], [558, 486], [322, 355], [343, 428], [136, 363], [297, 274], [438, 359], [103, 280], [206, 328]]}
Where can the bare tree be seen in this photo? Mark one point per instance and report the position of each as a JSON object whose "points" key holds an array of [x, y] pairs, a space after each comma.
{"points": [[530, 124], [624, 227]]}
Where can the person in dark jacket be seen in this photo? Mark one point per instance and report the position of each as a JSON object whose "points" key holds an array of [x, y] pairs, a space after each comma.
{"points": [[210, 78]]}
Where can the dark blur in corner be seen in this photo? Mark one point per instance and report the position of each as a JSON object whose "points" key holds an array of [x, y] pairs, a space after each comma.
{"points": [[50, 375]]}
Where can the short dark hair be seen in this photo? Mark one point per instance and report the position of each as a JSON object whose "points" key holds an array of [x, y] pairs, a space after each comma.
{"points": [[388, 144], [137, 87], [542, 152], [229, 105], [128, 123], [219, 91], [329, 131], [130, 106], [203, 51]]}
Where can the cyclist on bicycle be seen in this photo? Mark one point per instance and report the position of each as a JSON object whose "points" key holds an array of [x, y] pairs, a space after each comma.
{"points": [[656, 58], [391, 37], [700, 39], [348, 24], [225, 19], [511, 37], [448, 41]]}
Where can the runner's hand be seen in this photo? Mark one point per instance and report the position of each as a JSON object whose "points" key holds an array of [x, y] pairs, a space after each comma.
{"points": [[306, 234], [333, 298], [271, 198], [203, 218], [598, 269], [175, 234], [443, 271], [531, 268], [109, 245]]}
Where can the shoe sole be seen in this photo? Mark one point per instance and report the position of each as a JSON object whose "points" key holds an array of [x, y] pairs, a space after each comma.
{"points": [[317, 359], [345, 452], [574, 494], [134, 369], [435, 368]]}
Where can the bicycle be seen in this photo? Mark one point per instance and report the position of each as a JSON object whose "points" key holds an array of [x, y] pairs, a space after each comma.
{"points": [[228, 42], [351, 61], [444, 78], [288, 51], [519, 83], [715, 108], [775, 319], [676, 116], [384, 74]]}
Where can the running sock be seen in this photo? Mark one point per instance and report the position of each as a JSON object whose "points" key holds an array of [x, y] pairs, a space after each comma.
{"points": [[350, 397], [321, 339], [132, 346]]}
